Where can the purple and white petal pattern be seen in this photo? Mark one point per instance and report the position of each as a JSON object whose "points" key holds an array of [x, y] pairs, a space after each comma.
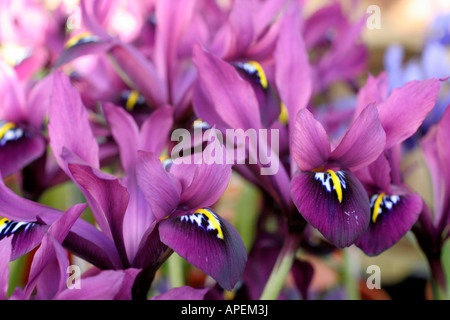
{"points": [[208, 242], [335, 203], [391, 218]]}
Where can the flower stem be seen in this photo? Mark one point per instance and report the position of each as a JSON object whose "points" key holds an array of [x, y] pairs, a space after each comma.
{"points": [[175, 271], [281, 269], [437, 280]]}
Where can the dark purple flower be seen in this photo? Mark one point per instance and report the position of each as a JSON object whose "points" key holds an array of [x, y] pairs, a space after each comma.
{"points": [[22, 114], [325, 190], [150, 211]]}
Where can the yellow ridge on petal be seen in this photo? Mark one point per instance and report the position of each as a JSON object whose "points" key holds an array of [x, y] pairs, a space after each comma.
{"points": [[132, 100], [73, 40], [211, 218], [7, 126], [261, 73], [284, 116], [376, 207], [336, 183], [3, 221]]}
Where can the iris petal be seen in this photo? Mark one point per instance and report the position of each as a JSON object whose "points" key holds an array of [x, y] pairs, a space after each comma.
{"points": [[340, 212], [208, 242], [26, 235], [392, 217]]}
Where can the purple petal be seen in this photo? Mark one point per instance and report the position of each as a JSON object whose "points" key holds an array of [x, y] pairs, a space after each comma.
{"points": [[155, 131], [108, 200], [106, 285], [11, 95], [126, 134], [406, 108], [241, 23], [69, 124], [311, 147], [293, 72], [183, 293], [377, 175], [396, 216], [233, 98], [52, 278], [25, 235], [161, 190], [340, 221], [5, 255], [99, 46], [302, 272], [374, 91], [443, 150], [142, 74], [47, 251], [208, 242], [202, 184], [363, 142], [39, 101], [15, 155]]}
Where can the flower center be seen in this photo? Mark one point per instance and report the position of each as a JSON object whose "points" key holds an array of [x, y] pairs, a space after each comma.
{"points": [[332, 180]]}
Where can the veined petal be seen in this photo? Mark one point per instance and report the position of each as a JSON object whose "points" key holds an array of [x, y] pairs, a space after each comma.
{"points": [[208, 242], [202, 183], [160, 189], [69, 124], [311, 146], [374, 91], [155, 131], [293, 72], [363, 142], [11, 94], [232, 97], [391, 218], [404, 110], [18, 149], [108, 200], [126, 133], [335, 203], [25, 235]]}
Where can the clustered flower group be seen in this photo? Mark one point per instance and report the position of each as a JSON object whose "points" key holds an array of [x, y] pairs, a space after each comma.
{"points": [[94, 103]]}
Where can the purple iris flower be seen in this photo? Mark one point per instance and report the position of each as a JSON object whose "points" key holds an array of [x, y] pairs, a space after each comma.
{"points": [[151, 211], [22, 114], [393, 207], [48, 272]]}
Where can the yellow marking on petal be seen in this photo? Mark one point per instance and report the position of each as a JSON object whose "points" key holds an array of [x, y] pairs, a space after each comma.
{"points": [[261, 73], [284, 116], [336, 183], [211, 218], [73, 41], [163, 158], [132, 100], [376, 207], [3, 221], [7, 126]]}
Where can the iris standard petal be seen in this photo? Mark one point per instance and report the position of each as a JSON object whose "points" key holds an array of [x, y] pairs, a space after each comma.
{"points": [[335, 203], [208, 242], [392, 216], [311, 147], [404, 110], [362, 143]]}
